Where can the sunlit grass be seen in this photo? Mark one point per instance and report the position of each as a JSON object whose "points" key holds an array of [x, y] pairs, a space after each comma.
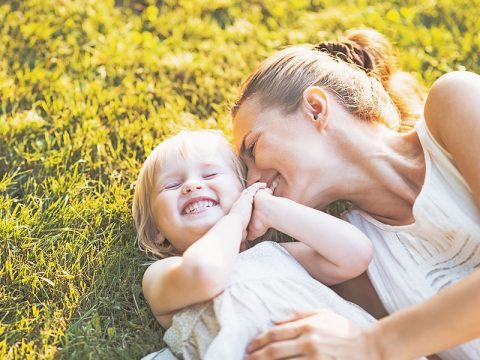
{"points": [[87, 88]]}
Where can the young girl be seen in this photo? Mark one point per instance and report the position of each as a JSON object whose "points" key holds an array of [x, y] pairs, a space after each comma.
{"points": [[191, 209]]}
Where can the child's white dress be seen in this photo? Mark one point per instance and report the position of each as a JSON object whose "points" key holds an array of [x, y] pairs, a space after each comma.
{"points": [[267, 285]]}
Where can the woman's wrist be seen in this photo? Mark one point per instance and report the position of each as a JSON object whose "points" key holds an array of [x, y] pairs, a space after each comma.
{"points": [[387, 342], [269, 214], [372, 340]]}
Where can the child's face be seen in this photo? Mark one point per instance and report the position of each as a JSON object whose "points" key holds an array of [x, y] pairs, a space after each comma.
{"points": [[191, 196]]}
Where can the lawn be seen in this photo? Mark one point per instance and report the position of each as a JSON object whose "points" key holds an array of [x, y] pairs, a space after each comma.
{"points": [[88, 88]]}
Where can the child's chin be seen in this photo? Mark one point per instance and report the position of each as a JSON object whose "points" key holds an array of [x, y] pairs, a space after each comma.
{"points": [[205, 223]]}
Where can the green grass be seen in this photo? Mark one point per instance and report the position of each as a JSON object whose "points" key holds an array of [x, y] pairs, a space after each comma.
{"points": [[87, 88]]}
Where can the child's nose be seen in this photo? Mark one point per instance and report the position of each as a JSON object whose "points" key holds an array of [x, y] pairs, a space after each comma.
{"points": [[191, 186]]}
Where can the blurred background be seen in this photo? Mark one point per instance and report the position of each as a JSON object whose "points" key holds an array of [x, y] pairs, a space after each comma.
{"points": [[88, 88]]}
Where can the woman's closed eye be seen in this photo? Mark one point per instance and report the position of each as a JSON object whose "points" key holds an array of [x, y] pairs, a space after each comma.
{"points": [[250, 152]]}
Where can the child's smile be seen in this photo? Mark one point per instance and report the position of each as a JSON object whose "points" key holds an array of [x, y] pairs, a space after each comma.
{"points": [[192, 194], [198, 205]]}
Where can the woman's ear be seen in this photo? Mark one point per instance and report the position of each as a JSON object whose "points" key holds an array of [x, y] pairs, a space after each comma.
{"points": [[316, 105]]}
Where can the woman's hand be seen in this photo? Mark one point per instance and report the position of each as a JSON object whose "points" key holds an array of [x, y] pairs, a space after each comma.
{"points": [[316, 335], [259, 224]]}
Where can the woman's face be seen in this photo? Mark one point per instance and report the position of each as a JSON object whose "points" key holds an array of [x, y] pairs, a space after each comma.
{"points": [[281, 150]]}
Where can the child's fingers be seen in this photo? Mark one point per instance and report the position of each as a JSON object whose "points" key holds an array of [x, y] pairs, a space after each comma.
{"points": [[259, 185], [252, 189], [267, 190]]}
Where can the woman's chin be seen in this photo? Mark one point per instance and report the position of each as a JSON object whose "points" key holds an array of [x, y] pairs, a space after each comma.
{"points": [[301, 198], [292, 195]]}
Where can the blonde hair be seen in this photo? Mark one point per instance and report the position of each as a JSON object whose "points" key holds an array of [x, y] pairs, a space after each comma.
{"points": [[360, 71], [186, 144]]}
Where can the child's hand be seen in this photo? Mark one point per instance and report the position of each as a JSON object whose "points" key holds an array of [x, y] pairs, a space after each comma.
{"points": [[259, 224], [243, 206]]}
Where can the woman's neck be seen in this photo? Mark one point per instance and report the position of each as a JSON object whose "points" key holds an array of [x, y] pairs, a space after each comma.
{"points": [[385, 174]]}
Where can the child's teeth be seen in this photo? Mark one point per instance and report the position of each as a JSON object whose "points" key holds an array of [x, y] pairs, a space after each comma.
{"points": [[198, 205]]}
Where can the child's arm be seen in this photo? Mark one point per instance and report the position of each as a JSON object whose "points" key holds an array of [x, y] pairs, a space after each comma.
{"points": [[202, 272], [330, 249]]}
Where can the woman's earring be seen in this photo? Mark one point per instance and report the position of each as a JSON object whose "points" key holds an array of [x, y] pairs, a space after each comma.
{"points": [[315, 116]]}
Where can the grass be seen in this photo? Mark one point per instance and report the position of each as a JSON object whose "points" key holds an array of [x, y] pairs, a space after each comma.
{"points": [[87, 88]]}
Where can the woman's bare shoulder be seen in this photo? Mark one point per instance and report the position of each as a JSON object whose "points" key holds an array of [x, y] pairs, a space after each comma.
{"points": [[452, 102], [452, 114]]}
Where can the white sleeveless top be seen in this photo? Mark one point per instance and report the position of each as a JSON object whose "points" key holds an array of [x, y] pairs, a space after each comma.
{"points": [[414, 262]]}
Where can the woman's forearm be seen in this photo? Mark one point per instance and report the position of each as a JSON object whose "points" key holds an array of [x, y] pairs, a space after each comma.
{"points": [[326, 234], [450, 318]]}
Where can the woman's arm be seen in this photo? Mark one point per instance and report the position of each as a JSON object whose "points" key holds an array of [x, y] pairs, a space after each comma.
{"points": [[202, 272], [446, 320], [330, 249], [452, 113]]}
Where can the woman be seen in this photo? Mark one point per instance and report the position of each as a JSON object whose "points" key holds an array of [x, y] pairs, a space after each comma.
{"points": [[319, 123]]}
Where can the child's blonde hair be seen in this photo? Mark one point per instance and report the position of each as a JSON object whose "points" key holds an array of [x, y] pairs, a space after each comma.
{"points": [[186, 144]]}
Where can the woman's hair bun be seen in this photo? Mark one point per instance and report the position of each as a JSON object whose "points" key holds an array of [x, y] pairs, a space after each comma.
{"points": [[365, 48], [370, 51], [348, 51], [379, 49]]}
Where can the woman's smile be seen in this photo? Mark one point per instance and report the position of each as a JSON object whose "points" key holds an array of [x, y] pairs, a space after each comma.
{"points": [[273, 184]]}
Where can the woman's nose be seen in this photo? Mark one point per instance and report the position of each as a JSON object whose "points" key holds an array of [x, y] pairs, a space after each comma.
{"points": [[190, 186]]}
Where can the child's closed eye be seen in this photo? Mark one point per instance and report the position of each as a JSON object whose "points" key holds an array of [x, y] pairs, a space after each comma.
{"points": [[210, 175], [172, 186]]}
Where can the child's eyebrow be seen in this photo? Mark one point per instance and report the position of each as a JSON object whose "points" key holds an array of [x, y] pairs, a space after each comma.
{"points": [[210, 165], [174, 174], [168, 176]]}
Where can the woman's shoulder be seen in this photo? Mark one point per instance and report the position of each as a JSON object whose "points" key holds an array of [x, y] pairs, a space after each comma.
{"points": [[452, 114], [452, 105]]}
